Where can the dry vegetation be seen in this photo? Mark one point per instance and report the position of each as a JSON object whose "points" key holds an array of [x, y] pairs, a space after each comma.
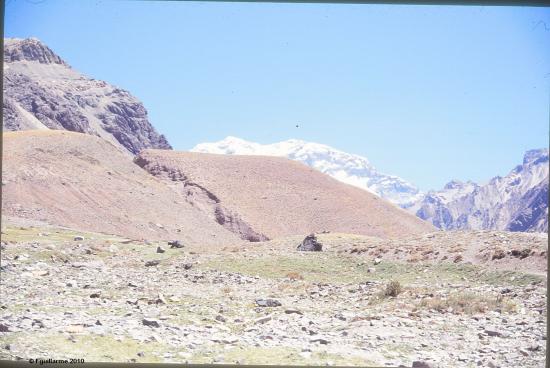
{"points": [[468, 303]]}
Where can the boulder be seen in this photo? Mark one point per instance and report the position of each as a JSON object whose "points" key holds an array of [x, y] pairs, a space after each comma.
{"points": [[175, 244], [310, 244], [150, 322]]}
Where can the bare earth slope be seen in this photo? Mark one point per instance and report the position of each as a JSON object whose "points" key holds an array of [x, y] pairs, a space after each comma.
{"points": [[82, 181], [278, 197]]}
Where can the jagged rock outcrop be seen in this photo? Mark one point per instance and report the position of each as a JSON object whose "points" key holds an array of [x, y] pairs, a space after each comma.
{"points": [[532, 214], [202, 199], [41, 91], [516, 202], [30, 49]]}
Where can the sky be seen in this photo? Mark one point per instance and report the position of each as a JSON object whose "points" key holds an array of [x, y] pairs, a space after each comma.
{"points": [[427, 93]]}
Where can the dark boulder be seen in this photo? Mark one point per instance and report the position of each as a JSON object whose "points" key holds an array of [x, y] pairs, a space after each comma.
{"points": [[310, 244]]}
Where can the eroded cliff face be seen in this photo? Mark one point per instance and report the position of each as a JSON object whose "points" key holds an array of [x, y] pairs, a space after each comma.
{"points": [[201, 198], [41, 91]]}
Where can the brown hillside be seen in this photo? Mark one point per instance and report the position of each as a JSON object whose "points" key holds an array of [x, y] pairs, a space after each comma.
{"points": [[277, 196], [84, 182]]}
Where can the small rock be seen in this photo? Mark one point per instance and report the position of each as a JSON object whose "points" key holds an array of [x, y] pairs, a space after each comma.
{"points": [[95, 295], [320, 341], [340, 316], [98, 323], [377, 261], [74, 329], [150, 322], [262, 320], [37, 322], [493, 333], [151, 263], [78, 238], [72, 283], [41, 273], [141, 354], [371, 270], [161, 299], [4, 328], [220, 318], [175, 244], [524, 352], [421, 364], [267, 303], [293, 311], [187, 266], [160, 250]]}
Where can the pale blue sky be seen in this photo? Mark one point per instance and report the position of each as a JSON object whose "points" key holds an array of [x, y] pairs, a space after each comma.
{"points": [[427, 93]]}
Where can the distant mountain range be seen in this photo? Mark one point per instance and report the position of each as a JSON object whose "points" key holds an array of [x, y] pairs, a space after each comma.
{"points": [[517, 202], [41, 91]]}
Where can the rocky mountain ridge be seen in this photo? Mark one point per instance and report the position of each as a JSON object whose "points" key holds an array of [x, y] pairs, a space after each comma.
{"points": [[41, 91], [516, 202]]}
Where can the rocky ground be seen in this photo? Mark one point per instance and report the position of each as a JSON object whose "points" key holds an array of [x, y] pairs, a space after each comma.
{"points": [[69, 294]]}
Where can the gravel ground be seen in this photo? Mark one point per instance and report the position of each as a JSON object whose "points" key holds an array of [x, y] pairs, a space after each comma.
{"points": [[103, 298]]}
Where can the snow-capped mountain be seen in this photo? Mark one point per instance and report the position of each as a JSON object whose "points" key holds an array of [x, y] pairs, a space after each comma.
{"points": [[516, 202], [348, 168], [41, 91]]}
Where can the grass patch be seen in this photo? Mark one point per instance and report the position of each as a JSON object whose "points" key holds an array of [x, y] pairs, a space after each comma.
{"points": [[393, 289], [280, 355], [54, 235], [469, 303], [337, 268], [92, 348]]}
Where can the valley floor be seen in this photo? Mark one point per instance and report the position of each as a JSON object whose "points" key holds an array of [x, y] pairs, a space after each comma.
{"points": [[106, 298]]}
